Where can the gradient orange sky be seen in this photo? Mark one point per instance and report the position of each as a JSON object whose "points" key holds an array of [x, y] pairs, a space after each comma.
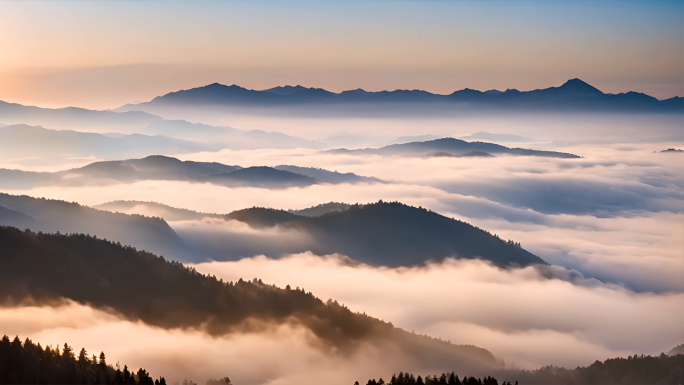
{"points": [[105, 54]]}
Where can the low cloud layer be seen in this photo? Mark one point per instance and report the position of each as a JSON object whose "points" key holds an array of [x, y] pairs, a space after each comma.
{"points": [[521, 315], [278, 355], [616, 216]]}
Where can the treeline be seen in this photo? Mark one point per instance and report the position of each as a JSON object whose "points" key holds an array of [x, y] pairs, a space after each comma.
{"points": [[29, 363], [633, 370], [445, 378]]}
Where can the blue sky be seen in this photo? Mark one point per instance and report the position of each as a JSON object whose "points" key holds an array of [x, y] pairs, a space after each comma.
{"points": [[435, 45]]}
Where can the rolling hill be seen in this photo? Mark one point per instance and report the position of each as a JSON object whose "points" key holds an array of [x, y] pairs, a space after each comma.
{"points": [[392, 234], [140, 286], [158, 167], [48, 215], [450, 147]]}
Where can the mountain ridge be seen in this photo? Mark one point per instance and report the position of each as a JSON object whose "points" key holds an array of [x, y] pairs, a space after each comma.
{"points": [[161, 167], [49, 268], [574, 94], [451, 147]]}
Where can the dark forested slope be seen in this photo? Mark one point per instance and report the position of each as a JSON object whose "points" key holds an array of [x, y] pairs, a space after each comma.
{"points": [[39, 214], [141, 286], [394, 234]]}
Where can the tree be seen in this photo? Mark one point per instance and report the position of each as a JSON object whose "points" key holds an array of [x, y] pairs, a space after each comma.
{"points": [[68, 353], [83, 359]]}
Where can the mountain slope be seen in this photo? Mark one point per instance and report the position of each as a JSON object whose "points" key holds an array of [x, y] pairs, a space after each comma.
{"points": [[393, 234], [451, 147], [58, 216], [140, 286]]}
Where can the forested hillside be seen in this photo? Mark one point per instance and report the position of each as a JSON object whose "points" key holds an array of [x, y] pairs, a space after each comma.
{"points": [[30, 363], [141, 286]]}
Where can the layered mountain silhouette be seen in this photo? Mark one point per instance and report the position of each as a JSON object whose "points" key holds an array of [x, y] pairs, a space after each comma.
{"points": [[21, 141], [75, 118], [392, 234], [332, 177], [158, 167], [574, 94], [451, 147], [266, 177], [172, 136], [49, 215], [383, 234], [139, 286], [154, 209], [228, 137]]}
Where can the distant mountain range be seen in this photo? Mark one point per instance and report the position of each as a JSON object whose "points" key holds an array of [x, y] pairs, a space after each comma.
{"points": [[572, 95], [158, 167], [451, 147]]}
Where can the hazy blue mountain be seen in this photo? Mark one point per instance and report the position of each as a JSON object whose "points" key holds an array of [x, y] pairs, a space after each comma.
{"points": [[452, 147], [154, 167], [671, 150], [572, 95], [159, 167], [75, 118], [266, 177], [321, 209], [53, 215], [228, 137], [393, 234], [142, 287], [21, 140], [154, 209], [326, 176]]}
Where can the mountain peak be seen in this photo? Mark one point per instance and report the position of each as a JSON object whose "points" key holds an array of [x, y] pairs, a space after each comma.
{"points": [[578, 86], [286, 90]]}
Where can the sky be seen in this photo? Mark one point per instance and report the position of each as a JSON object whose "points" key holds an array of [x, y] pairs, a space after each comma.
{"points": [[609, 223], [105, 54]]}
